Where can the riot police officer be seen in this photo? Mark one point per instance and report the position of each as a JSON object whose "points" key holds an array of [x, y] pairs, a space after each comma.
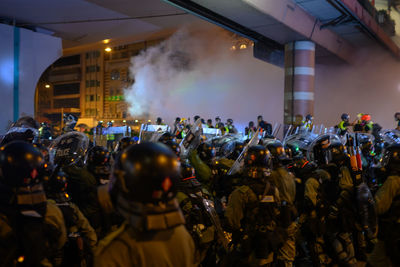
{"points": [[387, 249], [32, 229], [143, 190], [202, 221], [342, 126], [252, 213], [98, 163], [82, 238]]}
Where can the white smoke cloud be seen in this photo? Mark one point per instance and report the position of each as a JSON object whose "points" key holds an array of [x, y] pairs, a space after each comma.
{"points": [[194, 72]]}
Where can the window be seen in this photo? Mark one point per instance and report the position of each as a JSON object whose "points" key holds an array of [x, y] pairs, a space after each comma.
{"points": [[91, 98], [115, 75], [92, 83], [92, 68], [66, 89], [93, 54], [66, 103], [67, 61]]}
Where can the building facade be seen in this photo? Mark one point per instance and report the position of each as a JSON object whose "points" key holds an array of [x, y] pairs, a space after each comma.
{"points": [[89, 84]]}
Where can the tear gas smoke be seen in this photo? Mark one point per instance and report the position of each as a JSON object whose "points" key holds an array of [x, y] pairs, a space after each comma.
{"points": [[194, 72]]}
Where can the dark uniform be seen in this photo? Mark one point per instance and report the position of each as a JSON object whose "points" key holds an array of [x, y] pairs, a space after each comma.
{"points": [[252, 213], [387, 249], [143, 191], [32, 231]]}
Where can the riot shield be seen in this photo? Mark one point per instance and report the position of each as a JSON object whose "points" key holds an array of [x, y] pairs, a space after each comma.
{"points": [[192, 138], [151, 132], [68, 149], [390, 136], [310, 149], [239, 161]]}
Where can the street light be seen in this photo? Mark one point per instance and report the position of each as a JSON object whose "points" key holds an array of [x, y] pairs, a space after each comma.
{"points": [[47, 86], [108, 49], [106, 41]]}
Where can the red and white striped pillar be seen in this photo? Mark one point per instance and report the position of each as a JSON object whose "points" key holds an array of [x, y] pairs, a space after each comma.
{"points": [[299, 80]]}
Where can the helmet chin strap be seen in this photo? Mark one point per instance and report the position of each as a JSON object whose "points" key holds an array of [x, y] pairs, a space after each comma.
{"points": [[150, 217]]}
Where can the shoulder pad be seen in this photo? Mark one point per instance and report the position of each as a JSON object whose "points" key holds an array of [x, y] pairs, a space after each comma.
{"points": [[243, 188], [103, 244]]}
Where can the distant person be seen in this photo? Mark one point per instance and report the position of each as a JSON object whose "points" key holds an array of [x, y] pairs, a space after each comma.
{"points": [[250, 130], [265, 126], [209, 123], [110, 136], [218, 123], [159, 121], [230, 128], [397, 118], [176, 125], [357, 123], [365, 125], [344, 124], [308, 123]]}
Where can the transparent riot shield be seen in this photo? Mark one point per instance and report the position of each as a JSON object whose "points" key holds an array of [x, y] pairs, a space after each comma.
{"points": [[151, 133], [390, 136], [68, 149], [310, 149]]}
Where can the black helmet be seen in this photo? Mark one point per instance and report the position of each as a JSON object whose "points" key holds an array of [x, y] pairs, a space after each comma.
{"points": [[167, 136], [174, 147], [309, 117], [206, 152], [44, 150], [321, 148], [56, 183], [230, 121], [26, 122], [21, 168], [125, 142], [18, 133], [21, 164], [278, 153], [345, 117], [237, 150], [69, 149], [187, 171], [337, 153], [146, 173], [293, 151], [391, 158], [302, 167], [257, 156], [98, 155], [188, 177], [397, 116]]}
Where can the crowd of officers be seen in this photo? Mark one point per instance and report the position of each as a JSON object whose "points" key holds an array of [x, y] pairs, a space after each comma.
{"points": [[77, 204]]}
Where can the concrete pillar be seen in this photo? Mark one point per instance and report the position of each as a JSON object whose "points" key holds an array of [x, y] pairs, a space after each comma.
{"points": [[24, 56], [299, 80]]}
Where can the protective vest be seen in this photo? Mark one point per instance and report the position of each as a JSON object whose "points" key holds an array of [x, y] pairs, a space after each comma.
{"points": [[110, 137], [262, 222]]}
